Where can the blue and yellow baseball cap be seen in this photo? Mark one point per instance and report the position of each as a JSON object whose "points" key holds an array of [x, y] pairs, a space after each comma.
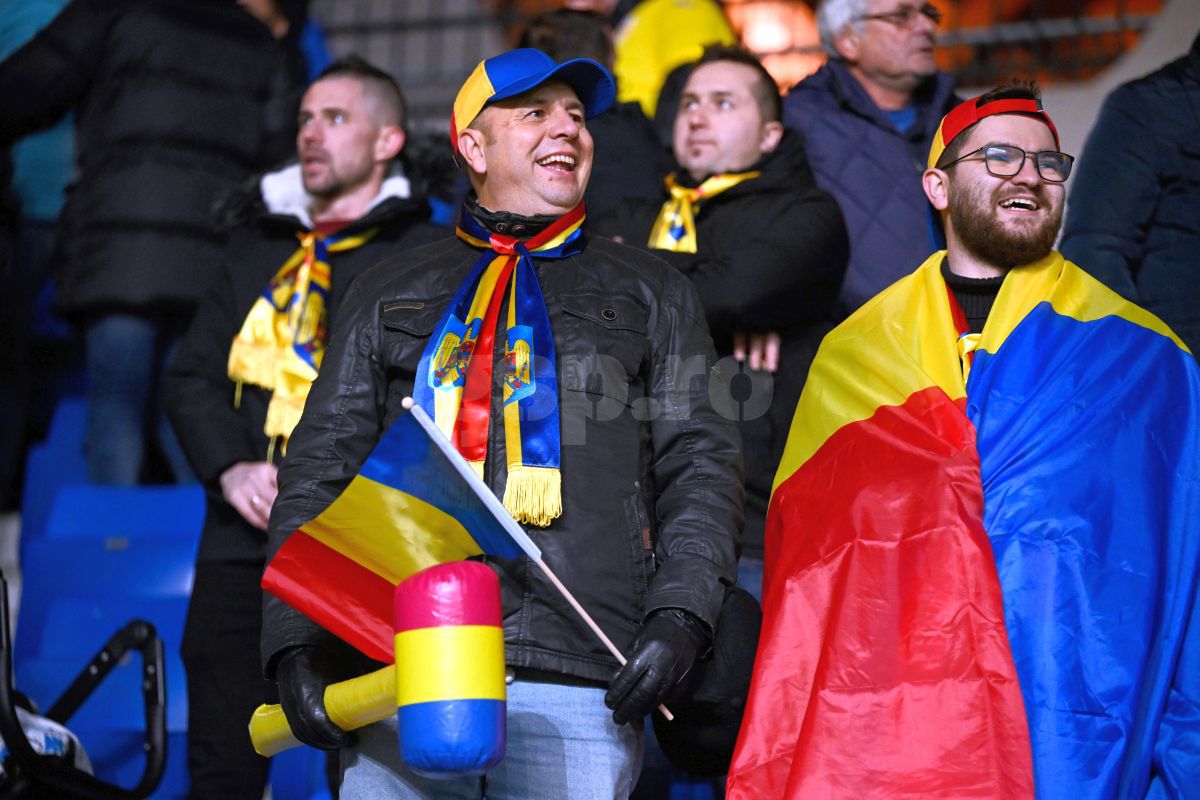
{"points": [[517, 71]]}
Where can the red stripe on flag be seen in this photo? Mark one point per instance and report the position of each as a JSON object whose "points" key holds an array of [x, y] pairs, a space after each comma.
{"points": [[884, 667], [336, 592]]}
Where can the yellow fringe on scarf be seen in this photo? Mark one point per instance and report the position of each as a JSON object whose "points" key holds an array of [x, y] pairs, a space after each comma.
{"points": [[533, 495]]}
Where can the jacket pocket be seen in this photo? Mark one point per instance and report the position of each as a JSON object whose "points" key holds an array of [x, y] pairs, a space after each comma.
{"points": [[406, 325], [641, 545], [413, 316], [602, 345]]}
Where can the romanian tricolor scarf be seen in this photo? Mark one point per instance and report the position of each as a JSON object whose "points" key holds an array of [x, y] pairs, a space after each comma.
{"points": [[675, 228], [984, 586], [454, 383], [282, 340]]}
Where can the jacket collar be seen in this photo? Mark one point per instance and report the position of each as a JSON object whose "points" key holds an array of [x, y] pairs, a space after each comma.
{"points": [[931, 98], [506, 222], [283, 193]]}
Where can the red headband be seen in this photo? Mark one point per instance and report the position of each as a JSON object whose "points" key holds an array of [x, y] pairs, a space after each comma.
{"points": [[966, 114]]}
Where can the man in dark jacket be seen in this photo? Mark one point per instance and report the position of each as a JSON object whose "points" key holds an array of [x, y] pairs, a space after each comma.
{"points": [[176, 103], [765, 248], [235, 389], [643, 492], [868, 117], [1133, 220]]}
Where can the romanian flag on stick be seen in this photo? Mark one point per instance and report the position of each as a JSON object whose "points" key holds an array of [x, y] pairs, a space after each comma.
{"points": [[414, 503], [982, 566]]}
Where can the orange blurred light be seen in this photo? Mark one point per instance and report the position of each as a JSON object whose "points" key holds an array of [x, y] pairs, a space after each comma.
{"points": [[783, 34]]}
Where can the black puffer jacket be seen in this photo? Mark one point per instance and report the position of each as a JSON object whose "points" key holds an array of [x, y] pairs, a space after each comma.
{"points": [[770, 252], [1134, 216], [177, 101], [214, 433], [650, 508], [770, 256]]}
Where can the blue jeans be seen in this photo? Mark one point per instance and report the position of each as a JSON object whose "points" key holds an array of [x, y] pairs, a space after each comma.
{"points": [[750, 576], [126, 357], [561, 745]]}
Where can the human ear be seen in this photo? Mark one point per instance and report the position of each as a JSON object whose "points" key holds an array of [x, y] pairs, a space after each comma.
{"points": [[848, 45], [772, 132], [936, 184], [389, 142], [471, 150]]}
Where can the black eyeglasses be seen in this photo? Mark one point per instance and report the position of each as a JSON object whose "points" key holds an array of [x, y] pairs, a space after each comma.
{"points": [[1005, 160], [904, 16]]}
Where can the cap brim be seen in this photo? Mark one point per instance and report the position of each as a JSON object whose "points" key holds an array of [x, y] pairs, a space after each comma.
{"points": [[592, 83]]}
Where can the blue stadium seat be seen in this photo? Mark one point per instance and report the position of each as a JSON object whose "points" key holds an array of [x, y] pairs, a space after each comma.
{"points": [[31, 773], [105, 556], [89, 511], [55, 462]]}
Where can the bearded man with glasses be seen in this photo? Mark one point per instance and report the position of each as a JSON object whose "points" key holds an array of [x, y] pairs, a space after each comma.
{"points": [[868, 118], [984, 536]]}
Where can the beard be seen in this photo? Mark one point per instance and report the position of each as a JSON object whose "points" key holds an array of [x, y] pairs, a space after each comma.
{"points": [[325, 187], [980, 231], [336, 177]]}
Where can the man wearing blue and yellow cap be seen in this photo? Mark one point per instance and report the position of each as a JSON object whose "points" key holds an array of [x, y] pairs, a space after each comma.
{"points": [[572, 373], [984, 535]]}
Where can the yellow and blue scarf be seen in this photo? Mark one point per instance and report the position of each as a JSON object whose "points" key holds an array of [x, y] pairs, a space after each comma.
{"points": [[455, 373], [282, 341], [675, 228]]}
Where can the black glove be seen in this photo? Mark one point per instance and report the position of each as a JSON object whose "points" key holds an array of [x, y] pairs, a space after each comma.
{"points": [[302, 674], [667, 646]]}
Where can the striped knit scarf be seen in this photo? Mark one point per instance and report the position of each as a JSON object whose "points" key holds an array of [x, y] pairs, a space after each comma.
{"points": [[455, 374]]}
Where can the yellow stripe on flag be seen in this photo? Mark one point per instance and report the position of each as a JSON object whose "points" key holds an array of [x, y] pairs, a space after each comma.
{"points": [[877, 343], [389, 532], [437, 664], [904, 340], [1072, 293]]}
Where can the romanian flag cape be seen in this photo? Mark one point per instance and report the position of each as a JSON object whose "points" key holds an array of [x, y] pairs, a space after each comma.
{"points": [[414, 503], [984, 587]]}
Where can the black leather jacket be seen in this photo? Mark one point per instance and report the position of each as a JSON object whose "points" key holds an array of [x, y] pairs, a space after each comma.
{"points": [[651, 473]]}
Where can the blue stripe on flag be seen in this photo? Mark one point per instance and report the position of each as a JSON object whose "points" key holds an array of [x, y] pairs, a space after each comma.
{"points": [[1081, 441], [407, 460]]}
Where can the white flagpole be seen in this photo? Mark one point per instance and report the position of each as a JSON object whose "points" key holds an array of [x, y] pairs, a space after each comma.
{"points": [[510, 525]]}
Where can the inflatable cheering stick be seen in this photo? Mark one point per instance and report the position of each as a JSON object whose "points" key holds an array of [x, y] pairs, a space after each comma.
{"points": [[450, 670]]}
